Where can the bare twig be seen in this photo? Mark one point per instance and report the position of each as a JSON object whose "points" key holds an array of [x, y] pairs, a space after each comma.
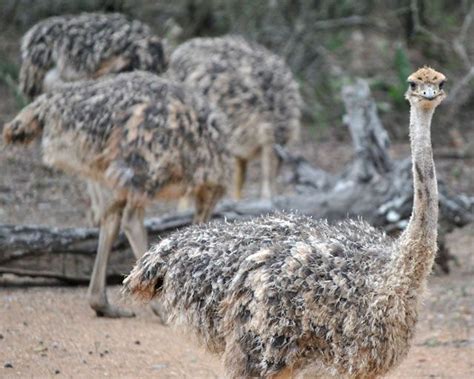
{"points": [[10, 13], [421, 29], [459, 42], [460, 85], [350, 21], [457, 46], [454, 155], [466, 24]]}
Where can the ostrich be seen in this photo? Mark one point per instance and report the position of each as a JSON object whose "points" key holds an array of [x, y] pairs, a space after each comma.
{"points": [[285, 294], [254, 88], [86, 46], [141, 136]]}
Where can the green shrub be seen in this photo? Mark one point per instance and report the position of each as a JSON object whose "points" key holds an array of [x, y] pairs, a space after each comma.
{"points": [[403, 69], [9, 77]]}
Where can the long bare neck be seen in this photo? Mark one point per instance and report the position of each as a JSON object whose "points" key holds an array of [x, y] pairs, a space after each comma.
{"points": [[417, 244]]}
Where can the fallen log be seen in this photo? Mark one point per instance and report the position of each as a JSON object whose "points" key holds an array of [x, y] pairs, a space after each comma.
{"points": [[373, 187], [67, 254]]}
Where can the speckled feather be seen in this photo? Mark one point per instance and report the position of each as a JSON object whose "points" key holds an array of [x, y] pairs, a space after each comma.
{"points": [[135, 131], [86, 46], [253, 86], [282, 291]]}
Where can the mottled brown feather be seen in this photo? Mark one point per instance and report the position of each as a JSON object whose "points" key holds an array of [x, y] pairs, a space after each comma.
{"points": [[87, 46], [252, 86], [133, 131]]}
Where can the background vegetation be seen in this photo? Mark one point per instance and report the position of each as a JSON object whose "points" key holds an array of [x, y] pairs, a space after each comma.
{"points": [[326, 42]]}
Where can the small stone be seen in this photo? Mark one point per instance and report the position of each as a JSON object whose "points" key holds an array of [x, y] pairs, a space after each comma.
{"points": [[40, 349], [106, 352], [25, 323], [8, 365], [90, 352], [159, 366], [57, 372], [84, 361], [137, 342], [101, 355], [402, 224], [393, 216], [1, 336]]}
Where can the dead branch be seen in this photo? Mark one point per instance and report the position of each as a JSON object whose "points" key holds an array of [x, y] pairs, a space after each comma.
{"points": [[335, 23], [419, 28]]}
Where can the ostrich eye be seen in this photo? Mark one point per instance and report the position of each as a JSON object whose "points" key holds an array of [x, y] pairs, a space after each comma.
{"points": [[441, 85], [412, 85]]}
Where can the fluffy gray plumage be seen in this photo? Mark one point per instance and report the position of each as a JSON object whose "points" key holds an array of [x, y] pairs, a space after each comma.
{"points": [[248, 82], [87, 46], [135, 131], [251, 85], [282, 291]]}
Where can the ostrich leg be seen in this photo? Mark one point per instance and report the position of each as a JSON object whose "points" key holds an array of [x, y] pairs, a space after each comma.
{"points": [[269, 170], [134, 228], [206, 199], [109, 228], [239, 177], [99, 198]]}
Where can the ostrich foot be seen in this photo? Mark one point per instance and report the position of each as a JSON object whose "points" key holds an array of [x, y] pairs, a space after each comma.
{"points": [[112, 311], [159, 311]]}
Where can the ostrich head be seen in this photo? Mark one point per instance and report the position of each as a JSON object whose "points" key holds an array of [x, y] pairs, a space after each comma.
{"points": [[426, 88]]}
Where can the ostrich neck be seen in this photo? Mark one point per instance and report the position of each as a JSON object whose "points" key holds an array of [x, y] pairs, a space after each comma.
{"points": [[417, 244]]}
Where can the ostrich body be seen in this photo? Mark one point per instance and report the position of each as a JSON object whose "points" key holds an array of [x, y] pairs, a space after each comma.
{"points": [[86, 46], [254, 88], [286, 294], [63, 49], [142, 137]]}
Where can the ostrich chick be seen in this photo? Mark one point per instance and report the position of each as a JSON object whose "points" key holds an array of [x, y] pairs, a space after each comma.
{"points": [[62, 49], [254, 88], [283, 295], [143, 137], [86, 46]]}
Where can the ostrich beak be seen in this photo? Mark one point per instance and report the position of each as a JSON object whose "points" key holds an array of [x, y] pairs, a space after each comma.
{"points": [[430, 93]]}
